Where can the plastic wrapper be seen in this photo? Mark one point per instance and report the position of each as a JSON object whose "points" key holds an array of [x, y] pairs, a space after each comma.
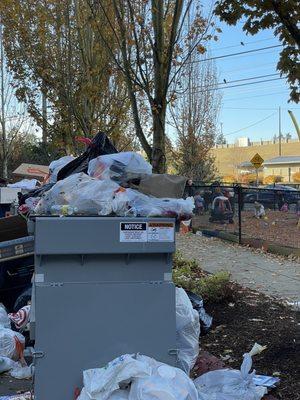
{"points": [[120, 167], [230, 384], [82, 194], [56, 165], [133, 203], [11, 344], [100, 145], [21, 318], [187, 331]]}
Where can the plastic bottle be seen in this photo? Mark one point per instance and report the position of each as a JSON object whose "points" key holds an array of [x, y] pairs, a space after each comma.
{"points": [[63, 210]]}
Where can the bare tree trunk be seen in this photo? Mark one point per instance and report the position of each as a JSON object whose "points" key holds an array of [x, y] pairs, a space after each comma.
{"points": [[3, 124], [159, 141], [44, 116]]}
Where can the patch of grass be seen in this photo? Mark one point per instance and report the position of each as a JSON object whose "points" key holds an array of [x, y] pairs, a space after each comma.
{"points": [[213, 288]]}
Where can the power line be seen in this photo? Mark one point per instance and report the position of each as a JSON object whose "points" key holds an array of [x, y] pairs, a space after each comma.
{"points": [[239, 85], [241, 44], [250, 126], [248, 79], [234, 54], [258, 109], [251, 97]]}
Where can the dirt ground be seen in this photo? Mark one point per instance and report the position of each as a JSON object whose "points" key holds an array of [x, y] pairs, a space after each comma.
{"points": [[250, 318], [278, 227], [247, 318]]}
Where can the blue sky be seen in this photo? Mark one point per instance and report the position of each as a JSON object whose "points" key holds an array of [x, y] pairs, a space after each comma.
{"points": [[246, 105]]}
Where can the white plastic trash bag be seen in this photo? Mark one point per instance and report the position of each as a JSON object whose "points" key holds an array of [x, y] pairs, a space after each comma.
{"points": [[116, 395], [56, 165], [133, 203], [21, 372], [11, 344], [230, 384], [81, 193], [4, 320], [100, 383], [6, 364], [187, 331], [119, 167], [26, 184], [165, 383]]}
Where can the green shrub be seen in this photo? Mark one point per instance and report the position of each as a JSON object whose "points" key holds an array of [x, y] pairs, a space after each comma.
{"points": [[213, 288]]}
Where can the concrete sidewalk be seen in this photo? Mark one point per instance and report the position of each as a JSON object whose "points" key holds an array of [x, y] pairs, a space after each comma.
{"points": [[260, 271]]}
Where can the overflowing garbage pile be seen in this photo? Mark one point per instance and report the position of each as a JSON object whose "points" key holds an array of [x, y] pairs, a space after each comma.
{"points": [[138, 377], [104, 182], [12, 343]]}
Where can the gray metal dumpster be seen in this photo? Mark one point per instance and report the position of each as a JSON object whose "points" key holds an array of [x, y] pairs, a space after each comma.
{"points": [[103, 288]]}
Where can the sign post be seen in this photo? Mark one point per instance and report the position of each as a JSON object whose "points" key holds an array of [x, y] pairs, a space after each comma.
{"points": [[257, 162]]}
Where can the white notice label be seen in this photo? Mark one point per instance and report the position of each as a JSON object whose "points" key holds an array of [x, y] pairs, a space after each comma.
{"points": [[133, 232], [161, 232]]}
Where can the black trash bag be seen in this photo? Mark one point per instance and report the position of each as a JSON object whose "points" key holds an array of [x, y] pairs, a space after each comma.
{"points": [[205, 319], [99, 146], [35, 193]]}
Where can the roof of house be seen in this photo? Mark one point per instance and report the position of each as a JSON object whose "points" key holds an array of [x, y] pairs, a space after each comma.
{"points": [[32, 170], [283, 160]]}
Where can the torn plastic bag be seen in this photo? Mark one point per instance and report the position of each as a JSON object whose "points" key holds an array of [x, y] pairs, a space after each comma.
{"points": [[120, 167], [187, 331], [4, 320], [56, 165], [100, 145], [205, 319], [81, 194], [130, 202], [100, 383], [230, 384], [164, 383], [11, 344]]}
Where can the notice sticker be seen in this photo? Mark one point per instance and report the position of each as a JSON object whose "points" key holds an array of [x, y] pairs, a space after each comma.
{"points": [[161, 232], [134, 232]]}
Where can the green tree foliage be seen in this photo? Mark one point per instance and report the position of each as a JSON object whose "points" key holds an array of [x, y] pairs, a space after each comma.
{"points": [[283, 17], [52, 49]]}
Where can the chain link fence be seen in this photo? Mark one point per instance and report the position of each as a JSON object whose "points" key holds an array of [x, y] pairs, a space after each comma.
{"points": [[269, 214]]}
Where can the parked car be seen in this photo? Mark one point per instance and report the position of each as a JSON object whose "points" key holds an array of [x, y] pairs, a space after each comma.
{"points": [[272, 195]]}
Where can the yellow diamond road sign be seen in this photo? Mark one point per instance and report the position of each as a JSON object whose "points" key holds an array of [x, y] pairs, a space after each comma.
{"points": [[257, 161]]}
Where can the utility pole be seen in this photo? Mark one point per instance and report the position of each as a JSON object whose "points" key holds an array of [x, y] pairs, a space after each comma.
{"points": [[279, 130]]}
